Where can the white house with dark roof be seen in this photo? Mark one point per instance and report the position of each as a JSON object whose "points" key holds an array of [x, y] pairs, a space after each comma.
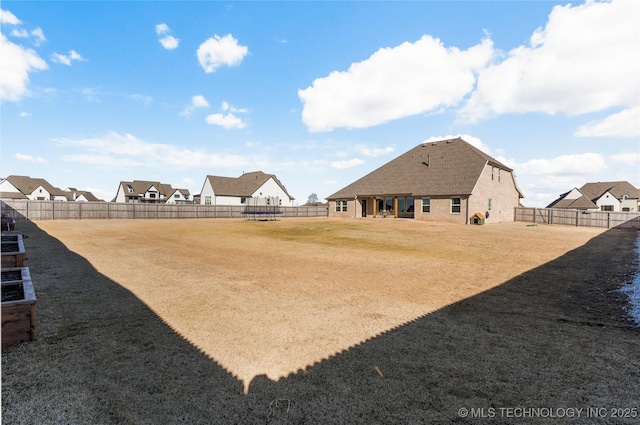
{"points": [[619, 196], [447, 180], [143, 191], [218, 190], [24, 187]]}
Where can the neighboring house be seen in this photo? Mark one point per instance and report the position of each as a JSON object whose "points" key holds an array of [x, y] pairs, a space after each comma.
{"points": [[448, 180], [178, 196], [237, 190], [142, 191], [74, 195], [23, 187], [601, 196]]}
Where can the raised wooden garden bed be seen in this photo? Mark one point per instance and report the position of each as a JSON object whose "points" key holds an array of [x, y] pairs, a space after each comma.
{"points": [[18, 306], [12, 250]]}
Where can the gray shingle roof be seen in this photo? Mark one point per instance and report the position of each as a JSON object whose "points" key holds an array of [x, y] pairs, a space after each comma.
{"points": [[443, 168], [581, 203], [618, 189], [245, 185], [27, 185]]}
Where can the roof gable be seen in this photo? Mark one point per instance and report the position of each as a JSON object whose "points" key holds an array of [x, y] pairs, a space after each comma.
{"points": [[28, 185], [618, 189], [244, 186], [447, 167]]}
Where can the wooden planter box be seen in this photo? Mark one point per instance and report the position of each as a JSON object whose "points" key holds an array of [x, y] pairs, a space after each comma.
{"points": [[18, 306], [12, 250]]}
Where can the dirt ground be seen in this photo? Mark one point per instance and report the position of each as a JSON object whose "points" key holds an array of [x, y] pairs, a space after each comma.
{"points": [[321, 321]]}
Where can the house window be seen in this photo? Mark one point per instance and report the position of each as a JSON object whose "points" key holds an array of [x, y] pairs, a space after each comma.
{"points": [[177, 195], [426, 205], [498, 175], [243, 200], [607, 208], [152, 195], [490, 202], [626, 209], [130, 188], [207, 200], [455, 205], [341, 206], [625, 197], [493, 170]]}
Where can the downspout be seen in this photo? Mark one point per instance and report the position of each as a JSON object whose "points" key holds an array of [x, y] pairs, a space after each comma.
{"points": [[466, 220]]}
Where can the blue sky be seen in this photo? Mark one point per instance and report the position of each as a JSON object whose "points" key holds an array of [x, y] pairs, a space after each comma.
{"points": [[318, 93]]}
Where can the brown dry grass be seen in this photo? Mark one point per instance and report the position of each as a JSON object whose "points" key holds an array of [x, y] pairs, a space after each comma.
{"points": [[276, 298]]}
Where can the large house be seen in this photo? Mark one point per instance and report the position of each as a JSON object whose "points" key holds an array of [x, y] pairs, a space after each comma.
{"points": [[142, 191], [238, 190], [600, 196], [24, 187], [447, 180]]}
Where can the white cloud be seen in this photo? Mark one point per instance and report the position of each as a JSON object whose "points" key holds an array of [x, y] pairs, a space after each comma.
{"points": [[217, 51], [405, 80], [162, 29], [25, 114], [169, 42], [575, 165], [146, 99], [9, 18], [17, 62], [347, 163], [629, 158], [584, 60], [24, 157], [197, 101], [116, 149], [39, 36], [19, 33], [67, 59], [373, 152], [622, 124], [227, 121]]}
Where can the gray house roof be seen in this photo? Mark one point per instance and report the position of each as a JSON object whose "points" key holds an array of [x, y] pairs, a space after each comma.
{"points": [[594, 191], [581, 203], [591, 192], [243, 186], [141, 186], [27, 185], [443, 168]]}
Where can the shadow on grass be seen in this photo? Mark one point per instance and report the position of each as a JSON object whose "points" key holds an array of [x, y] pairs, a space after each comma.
{"points": [[555, 337]]}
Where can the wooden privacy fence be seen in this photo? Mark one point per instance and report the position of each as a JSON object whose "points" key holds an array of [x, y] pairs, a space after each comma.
{"points": [[606, 219], [56, 210]]}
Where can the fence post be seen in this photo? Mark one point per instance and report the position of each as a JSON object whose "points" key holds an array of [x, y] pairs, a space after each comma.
{"points": [[108, 211], [79, 210], [577, 218], [608, 220], [53, 211]]}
